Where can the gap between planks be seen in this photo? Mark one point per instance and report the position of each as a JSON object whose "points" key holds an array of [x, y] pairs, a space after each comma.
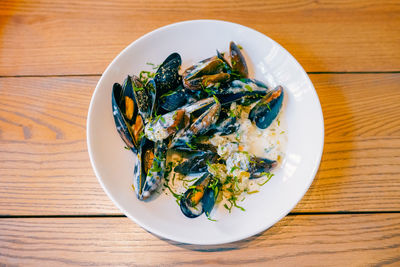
{"points": [[99, 74], [123, 216]]}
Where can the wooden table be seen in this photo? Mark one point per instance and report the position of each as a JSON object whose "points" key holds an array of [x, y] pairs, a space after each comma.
{"points": [[54, 212]]}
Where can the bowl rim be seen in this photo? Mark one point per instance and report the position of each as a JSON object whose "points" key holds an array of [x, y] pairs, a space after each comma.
{"points": [[171, 236]]}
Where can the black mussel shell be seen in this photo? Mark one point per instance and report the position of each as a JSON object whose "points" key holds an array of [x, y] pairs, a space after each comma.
{"points": [[173, 100], [167, 77], [196, 163], [268, 108], [209, 199], [259, 166], [238, 62], [249, 90], [225, 127]]}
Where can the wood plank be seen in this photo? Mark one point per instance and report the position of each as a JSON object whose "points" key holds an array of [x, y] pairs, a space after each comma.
{"points": [[56, 37], [335, 240], [46, 139]]}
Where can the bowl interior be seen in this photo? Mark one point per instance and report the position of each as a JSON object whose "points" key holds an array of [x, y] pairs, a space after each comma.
{"points": [[269, 62]]}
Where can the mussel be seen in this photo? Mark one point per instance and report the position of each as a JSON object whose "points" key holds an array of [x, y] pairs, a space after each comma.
{"points": [[267, 109], [153, 167], [173, 100], [246, 91], [167, 77], [259, 166], [199, 198], [197, 162], [199, 127], [204, 74], [164, 126], [238, 62], [133, 105]]}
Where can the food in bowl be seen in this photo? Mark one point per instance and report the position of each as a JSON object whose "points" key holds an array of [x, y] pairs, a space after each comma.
{"points": [[201, 131]]}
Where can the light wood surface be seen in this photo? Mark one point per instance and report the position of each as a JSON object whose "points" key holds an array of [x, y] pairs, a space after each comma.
{"points": [[330, 240], [82, 37], [52, 209]]}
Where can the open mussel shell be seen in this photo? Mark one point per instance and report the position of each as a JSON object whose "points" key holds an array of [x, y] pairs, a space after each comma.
{"points": [[167, 76], [163, 126], [267, 109], [245, 90], [128, 122], [207, 81], [149, 167], [197, 198], [259, 166], [199, 127], [154, 158], [238, 62], [207, 66], [197, 162]]}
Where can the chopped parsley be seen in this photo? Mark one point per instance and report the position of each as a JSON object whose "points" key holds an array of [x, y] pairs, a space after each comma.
{"points": [[191, 146], [216, 99], [248, 87]]}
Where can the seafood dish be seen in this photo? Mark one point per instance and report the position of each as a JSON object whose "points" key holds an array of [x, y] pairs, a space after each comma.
{"points": [[195, 133]]}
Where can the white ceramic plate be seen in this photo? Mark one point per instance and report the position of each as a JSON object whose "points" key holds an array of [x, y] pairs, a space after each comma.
{"points": [[269, 62]]}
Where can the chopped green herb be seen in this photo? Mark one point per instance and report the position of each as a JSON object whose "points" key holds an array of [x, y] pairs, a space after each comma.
{"points": [[210, 218], [127, 148], [234, 168], [216, 99], [177, 196], [279, 122], [228, 208], [162, 119], [269, 176], [248, 87], [137, 89], [141, 135], [232, 113], [252, 192], [191, 146], [239, 46], [282, 132], [154, 66]]}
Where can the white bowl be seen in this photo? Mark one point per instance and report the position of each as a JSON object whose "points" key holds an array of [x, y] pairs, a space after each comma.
{"points": [[269, 62]]}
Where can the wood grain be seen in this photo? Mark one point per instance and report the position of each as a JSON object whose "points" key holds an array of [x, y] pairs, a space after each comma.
{"points": [[45, 169], [334, 240], [80, 37]]}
